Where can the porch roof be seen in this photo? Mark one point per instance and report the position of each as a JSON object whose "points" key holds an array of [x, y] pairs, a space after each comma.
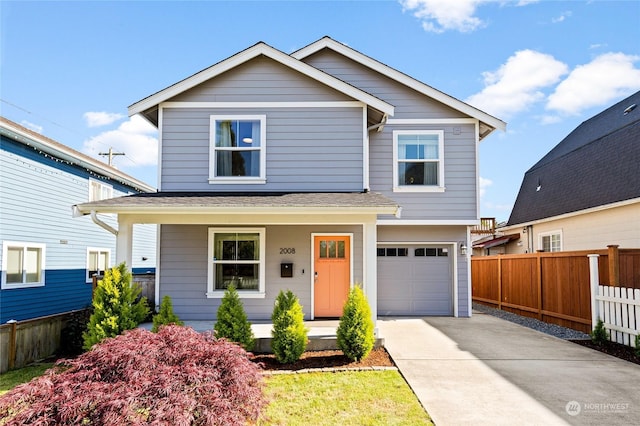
{"points": [[215, 202]]}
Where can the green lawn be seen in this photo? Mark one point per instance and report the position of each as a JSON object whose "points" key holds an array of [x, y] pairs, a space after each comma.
{"points": [[354, 398], [13, 378]]}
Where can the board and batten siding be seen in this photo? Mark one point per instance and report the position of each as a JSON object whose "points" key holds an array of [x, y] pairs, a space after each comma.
{"points": [[435, 235], [307, 149], [36, 195], [183, 276]]}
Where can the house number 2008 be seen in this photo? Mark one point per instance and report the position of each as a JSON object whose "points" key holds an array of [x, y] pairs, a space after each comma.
{"points": [[287, 250]]}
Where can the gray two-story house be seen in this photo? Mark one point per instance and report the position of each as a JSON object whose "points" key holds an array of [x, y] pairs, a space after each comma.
{"points": [[313, 171]]}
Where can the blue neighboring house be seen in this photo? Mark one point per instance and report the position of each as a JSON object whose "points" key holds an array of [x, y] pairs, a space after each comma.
{"points": [[48, 257]]}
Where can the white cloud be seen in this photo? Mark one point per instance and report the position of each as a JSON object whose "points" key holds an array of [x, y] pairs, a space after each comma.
{"points": [[608, 77], [97, 119], [439, 16], [135, 137], [31, 126], [562, 17], [517, 84], [484, 183]]}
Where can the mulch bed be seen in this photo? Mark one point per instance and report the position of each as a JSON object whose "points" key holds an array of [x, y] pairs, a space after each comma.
{"points": [[611, 348], [325, 359]]}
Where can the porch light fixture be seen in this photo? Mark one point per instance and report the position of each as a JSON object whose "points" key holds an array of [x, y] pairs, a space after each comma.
{"points": [[463, 248]]}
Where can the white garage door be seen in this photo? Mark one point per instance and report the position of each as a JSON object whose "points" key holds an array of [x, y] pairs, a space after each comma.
{"points": [[415, 280]]}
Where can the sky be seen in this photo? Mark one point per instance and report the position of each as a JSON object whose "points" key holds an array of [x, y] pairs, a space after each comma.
{"points": [[69, 70]]}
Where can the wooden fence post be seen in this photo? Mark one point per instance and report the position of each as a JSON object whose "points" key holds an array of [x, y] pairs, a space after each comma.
{"points": [[614, 266], [594, 280], [12, 343]]}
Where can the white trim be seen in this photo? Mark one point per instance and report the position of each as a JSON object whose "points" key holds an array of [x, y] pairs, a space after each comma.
{"points": [[24, 245], [313, 262], [212, 293], [468, 260], [454, 276], [412, 222], [160, 133], [306, 104], [365, 150], [477, 165], [405, 121], [429, 91], [158, 272], [98, 250], [572, 214], [245, 56], [222, 180], [440, 161]]}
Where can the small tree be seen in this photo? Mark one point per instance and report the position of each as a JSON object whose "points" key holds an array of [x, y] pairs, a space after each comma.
{"points": [[232, 322], [289, 333], [637, 350], [355, 331], [599, 335], [115, 308], [166, 315]]}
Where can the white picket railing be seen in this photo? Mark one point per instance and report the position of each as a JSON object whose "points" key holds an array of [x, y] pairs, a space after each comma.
{"points": [[617, 307]]}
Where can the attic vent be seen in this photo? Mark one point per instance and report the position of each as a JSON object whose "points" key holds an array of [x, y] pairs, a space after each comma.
{"points": [[630, 108]]}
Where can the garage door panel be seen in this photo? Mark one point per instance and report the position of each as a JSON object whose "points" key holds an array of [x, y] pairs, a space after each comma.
{"points": [[410, 285]]}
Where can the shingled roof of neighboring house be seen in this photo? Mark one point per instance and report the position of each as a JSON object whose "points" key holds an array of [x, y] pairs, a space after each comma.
{"points": [[597, 164]]}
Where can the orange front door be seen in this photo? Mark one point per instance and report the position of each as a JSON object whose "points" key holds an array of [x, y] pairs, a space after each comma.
{"points": [[332, 273]]}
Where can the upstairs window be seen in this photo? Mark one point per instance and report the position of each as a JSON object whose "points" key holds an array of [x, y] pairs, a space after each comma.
{"points": [[237, 149], [23, 264], [551, 242], [99, 191], [418, 160]]}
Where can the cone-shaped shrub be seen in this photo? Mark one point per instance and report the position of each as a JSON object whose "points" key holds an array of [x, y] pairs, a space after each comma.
{"points": [[599, 335], [115, 308], [232, 322], [289, 333], [174, 377], [355, 331], [166, 315]]}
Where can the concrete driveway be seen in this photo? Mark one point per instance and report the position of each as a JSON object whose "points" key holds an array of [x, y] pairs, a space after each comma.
{"points": [[487, 371]]}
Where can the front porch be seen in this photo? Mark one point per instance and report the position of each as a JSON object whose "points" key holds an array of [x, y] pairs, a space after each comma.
{"points": [[322, 334]]}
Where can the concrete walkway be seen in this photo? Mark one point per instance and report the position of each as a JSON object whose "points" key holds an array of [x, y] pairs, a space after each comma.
{"points": [[487, 371]]}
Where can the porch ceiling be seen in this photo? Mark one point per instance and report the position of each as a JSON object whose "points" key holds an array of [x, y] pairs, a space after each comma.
{"points": [[250, 203]]}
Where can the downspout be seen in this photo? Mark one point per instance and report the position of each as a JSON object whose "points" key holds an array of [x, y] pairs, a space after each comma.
{"points": [[97, 221]]}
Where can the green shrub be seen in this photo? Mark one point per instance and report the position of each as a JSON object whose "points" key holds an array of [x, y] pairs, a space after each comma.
{"points": [[599, 335], [166, 315], [115, 308], [71, 340], [637, 351], [355, 331], [289, 333], [232, 322]]}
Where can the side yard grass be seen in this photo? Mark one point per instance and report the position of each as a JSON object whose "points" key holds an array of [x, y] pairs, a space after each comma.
{"points": [[358, 397], [11, 379]]}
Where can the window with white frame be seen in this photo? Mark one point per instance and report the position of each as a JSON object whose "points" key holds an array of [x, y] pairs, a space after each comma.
{"points": [[237, 149], [99, 190], [236, 257], [98, 260], [418, 160], [551, 241], [22, 264]]}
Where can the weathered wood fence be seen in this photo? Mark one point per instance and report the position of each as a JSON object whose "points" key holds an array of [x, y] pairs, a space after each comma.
{"points": [[552, 287]]}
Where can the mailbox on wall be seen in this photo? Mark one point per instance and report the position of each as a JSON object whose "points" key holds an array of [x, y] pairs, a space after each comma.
{"points": [[286, 270]]}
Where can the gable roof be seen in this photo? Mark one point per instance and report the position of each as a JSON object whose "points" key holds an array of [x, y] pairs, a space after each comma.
{"points": [[595, 165], [148, 105], [488, 123], [55, 149]]}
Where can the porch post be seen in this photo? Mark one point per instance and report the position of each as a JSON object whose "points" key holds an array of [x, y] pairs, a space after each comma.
{"points": [[124, 242], [370, 237], [594, 283]]}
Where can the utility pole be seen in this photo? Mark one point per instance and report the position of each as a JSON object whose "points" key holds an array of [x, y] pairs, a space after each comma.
{"points": [[111, 154]]}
